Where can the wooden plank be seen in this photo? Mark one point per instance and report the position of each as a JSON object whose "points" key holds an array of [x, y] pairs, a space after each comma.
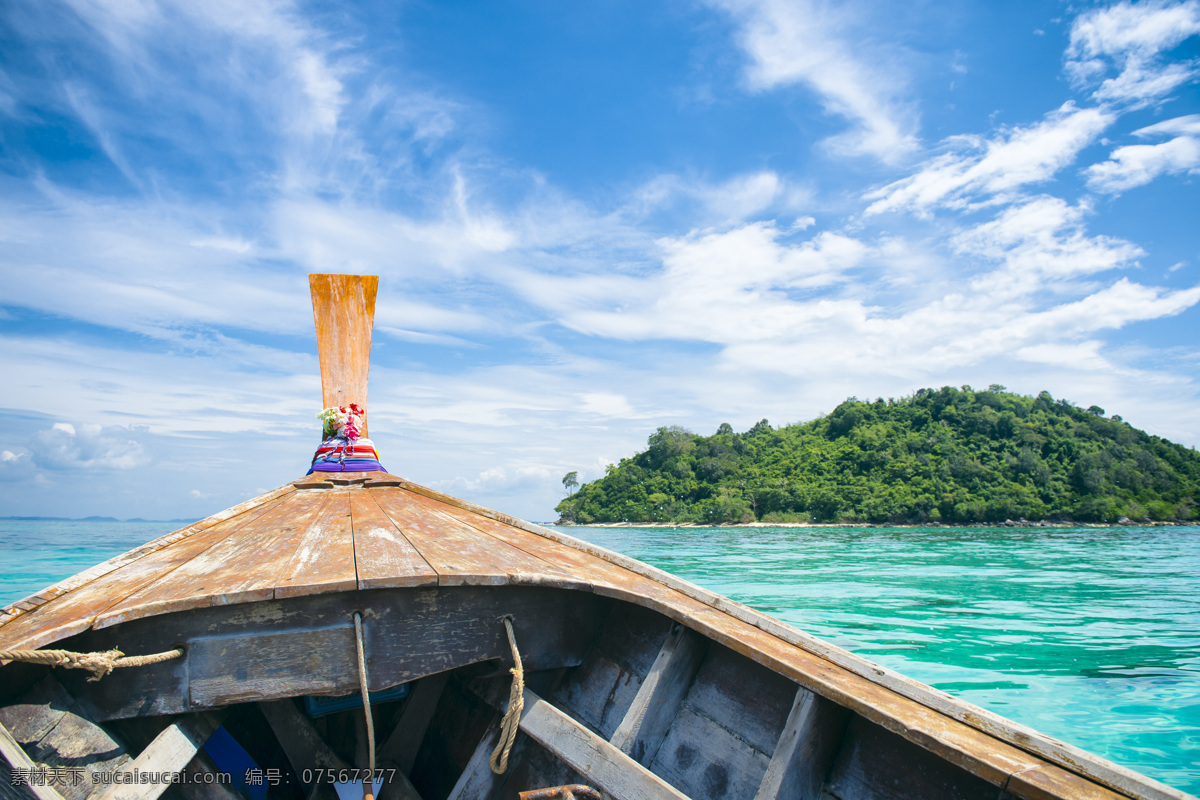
{"points": [[20, 636], [324, 557], [329, 480], [601, 690], [37, 711], [78, 744], [239, 568], [169, 752], [405, 739], [1049, 782], [344, 313], [409, 633], [658, 700], [458, 553], [875, 764], [78, 609], [383, 557], [477, 781], [303, 746], [747, 698], [605, 767], [805, 751], [203, 781], [242, 668], [703, 758], [17, 759]]}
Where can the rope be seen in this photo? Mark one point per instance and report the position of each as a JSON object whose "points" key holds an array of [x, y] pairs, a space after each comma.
{"points": [[516, 704], [369, 782], [99, 664]]}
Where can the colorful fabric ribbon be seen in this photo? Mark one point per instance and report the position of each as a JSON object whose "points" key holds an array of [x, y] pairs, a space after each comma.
{"points": [[337, 454]]}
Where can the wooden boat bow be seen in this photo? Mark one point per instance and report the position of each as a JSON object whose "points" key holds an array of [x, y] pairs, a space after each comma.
{"points": [[640, 684]]}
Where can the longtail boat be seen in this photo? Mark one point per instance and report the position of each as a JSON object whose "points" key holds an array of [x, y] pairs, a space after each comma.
{"points": [[355, 631]]}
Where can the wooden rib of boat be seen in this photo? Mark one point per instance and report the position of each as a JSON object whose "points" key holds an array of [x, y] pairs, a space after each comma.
{"points": [[636, 683]]}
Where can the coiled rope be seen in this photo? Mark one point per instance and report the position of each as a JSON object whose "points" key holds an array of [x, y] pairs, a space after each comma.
{"points": [[369, 781], [516, 704], [99, 664]]}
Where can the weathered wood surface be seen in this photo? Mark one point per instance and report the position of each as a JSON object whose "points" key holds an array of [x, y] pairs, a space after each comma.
{"points": [[384, 557], [303, 746], [746, 698], [874, 764], [266, 666], [457, 552], [200, 784], [83, 601], [652, 711], [237, 569], [344, 314], [324, 559], [477, 780], [602, 689], [1048, 781], [705, 759], [805, 750], [408, 634], [604, 766], [404, 740], [53, 730], [14, 758], [169, 752]]}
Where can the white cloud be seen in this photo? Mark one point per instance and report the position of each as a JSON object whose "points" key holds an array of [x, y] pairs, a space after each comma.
{"points": [[714, 286], [808, 43], [230, 244], [1040, 244], [90, 447], [1137, 165], [1130, 38], [1187, 125], [989, 167], [733, 200]]}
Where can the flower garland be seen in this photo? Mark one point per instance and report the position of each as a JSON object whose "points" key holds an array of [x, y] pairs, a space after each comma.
{"points": [[343, 447], [344, 422]]}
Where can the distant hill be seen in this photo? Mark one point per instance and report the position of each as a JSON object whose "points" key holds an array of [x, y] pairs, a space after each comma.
{"points": [[89, 519], [942, 455]]}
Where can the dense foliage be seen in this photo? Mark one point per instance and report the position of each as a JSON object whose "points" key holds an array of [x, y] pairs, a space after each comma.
{"points": [[941, 455]]}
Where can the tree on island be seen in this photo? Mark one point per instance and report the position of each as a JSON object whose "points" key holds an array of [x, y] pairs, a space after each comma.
{"points": [[940, 455]]}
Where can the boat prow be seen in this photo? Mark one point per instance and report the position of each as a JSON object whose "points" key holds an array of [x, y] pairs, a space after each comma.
{"points": [[634, 683]]}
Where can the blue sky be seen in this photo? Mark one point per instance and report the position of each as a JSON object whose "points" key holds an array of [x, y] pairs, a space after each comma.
{"points": [[589, 220]]}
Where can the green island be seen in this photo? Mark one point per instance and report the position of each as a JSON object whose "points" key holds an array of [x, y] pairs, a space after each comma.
{"points": [[949, 455]]}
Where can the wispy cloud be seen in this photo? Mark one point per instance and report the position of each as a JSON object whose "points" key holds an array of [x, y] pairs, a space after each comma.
{"points": [[1130, 40], [978, 169], [1138, 164], [808, 43]]}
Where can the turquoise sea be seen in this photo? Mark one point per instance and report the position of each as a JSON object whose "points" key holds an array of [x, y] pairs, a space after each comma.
{"points": [[1091, 635]]}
